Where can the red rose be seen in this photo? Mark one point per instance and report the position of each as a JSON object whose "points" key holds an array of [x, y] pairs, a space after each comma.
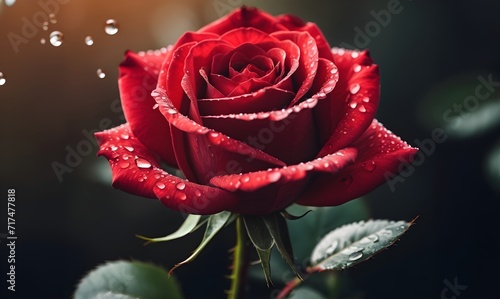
{"points": [[258, 112]]}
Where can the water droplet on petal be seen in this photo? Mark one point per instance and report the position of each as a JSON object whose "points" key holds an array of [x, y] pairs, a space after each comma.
{"points": [[180, 186], [369, 166], [129, 148], [123, 164], [111, 27], [354, 54], [142, 163], [89, 41], [181, 196], [353, 104], [366, 99], [156, 106], [245, 179], [101, 74], [274, 176], [355, 255], [171, 111], [354, 88], [160, 185], [357, 68], [125, 136], [2, 79], [362, 109], [197, 193], [56, 38]]}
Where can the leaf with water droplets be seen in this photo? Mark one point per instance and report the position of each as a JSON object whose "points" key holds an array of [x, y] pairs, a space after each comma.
{"points": [[215, 223], [351, 244], [191, 223]]}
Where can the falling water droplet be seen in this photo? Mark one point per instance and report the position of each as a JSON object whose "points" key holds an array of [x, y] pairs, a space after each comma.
{"points": [[2, 79], [180, 186], [160, 185], [142, 163], [52, 18], [369, 166], [101, 74], [111, 27], [56, 38], [362, 109], [354, 88], [89, 41], [356, 255]]}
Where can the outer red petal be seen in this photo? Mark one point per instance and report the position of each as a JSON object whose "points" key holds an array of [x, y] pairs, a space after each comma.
{"points": [[136, 170], [138, 77], [380, 153], [353, 103], [244, 17], [263, 192]]}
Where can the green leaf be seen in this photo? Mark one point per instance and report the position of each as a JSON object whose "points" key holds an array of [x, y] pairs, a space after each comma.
{"points": [[110, 295], [188, 226], [262, 240], [125, 280], [215, 223], [355, 243], [279, 231]]}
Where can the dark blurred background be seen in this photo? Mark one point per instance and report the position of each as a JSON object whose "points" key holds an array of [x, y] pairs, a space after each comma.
{"points": [[432, 57]]}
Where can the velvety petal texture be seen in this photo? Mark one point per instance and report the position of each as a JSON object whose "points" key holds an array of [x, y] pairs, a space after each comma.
{"points": [[258, 113]]}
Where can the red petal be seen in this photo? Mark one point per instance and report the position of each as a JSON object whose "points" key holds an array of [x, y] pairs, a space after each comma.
{"points": [[294, 23], [207, 150], [352, 105], [244, 17], [138, 77], [264, 192], [308, 63], [135, 170], [380, 153]]}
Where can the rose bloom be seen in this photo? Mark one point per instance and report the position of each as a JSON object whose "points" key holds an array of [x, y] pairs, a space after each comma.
{"points": [[258, 112]]}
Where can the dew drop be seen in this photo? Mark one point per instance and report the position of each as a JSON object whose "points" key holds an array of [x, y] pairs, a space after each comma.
{"points": [[331, 249], [357, 68], [111, 27], [171, 111], [355, 255], [56, 38], [373, 238], [129, 148], [2, 79], [274, 177], [362, 109], [354, 88], [245, 179], [156, 106], [181, 196], [160, 185], [125, 136], [124, 164], [180, 186], [369, 166], [354, 54], [197, 193], [142, 163], [366, 99], [114, 147], [89, 41], [353, 104], [101, 74]]}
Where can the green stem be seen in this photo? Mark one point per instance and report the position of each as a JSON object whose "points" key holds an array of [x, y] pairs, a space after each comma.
{"points": [[240, 262]]}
